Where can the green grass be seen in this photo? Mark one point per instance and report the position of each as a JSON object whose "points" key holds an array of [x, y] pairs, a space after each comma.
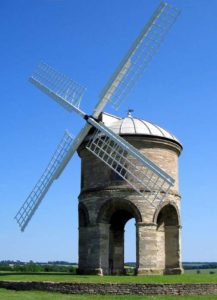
{"points": [[32, 295], [185, 278]]}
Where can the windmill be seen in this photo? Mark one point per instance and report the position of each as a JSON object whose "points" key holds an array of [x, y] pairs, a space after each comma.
{"points": [[144, 176]]}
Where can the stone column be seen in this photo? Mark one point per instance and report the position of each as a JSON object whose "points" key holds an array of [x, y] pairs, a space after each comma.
{"points": [[104, 248], [172, 250], [82, 249], [97, 250], [116, 255], [161, 248], [146, 256]]}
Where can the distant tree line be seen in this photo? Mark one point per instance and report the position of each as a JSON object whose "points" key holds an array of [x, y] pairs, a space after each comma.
{"points": [[67, 267], [199, 265], [34, 267]]}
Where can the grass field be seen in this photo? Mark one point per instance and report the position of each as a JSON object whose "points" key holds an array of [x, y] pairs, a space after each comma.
{"points": [[11, 295], [185, 278], [202, 271]]}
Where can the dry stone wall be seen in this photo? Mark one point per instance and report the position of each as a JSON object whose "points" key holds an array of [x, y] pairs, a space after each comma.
{"points": [[113, 288]]}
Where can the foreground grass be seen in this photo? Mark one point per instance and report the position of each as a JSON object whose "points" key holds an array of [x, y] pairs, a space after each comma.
{"points": [[10, 295], [185, 278]]}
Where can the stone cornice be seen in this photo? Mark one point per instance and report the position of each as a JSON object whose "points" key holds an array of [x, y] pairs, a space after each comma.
{"points": [[119, 189]]}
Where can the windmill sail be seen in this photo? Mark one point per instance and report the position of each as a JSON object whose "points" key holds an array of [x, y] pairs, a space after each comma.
{"points": [[29, 207], [141, 173], [139, 56], [58, 86]]}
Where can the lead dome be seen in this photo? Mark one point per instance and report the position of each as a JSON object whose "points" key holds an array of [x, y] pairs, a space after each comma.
{"points": [[134, 126]]}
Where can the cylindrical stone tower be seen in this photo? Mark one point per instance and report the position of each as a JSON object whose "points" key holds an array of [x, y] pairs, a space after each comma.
{"points": [[107, 202]]}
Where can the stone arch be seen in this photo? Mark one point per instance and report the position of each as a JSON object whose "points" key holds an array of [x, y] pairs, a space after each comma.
{"points": [[83, 215], [115, 213], [159, 209], [115, 204], [168, 233]]}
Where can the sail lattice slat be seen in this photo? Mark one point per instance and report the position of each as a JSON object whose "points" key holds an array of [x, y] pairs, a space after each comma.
{"points": [[40, 189], [61, 88], [140, 55], [143, 175]]}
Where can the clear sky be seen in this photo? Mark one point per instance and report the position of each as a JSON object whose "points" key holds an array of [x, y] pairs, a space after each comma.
{"points": [[86, 40]]}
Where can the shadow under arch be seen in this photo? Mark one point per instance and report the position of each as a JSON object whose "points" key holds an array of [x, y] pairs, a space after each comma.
{"points": [[113, 205], [167, 219], [173, 207], [116, 212], [83, 215], [84, 221]]}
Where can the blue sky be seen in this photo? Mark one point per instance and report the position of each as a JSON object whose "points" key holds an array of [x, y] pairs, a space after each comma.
{"points": [[86, 40]]}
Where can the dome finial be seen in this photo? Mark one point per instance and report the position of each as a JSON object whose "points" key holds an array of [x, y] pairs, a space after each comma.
{"points": [[130, 110]]}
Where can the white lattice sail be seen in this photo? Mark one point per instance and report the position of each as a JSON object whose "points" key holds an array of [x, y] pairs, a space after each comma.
{"points": [[143, 175], [61, 88], [151, 182], [140, 55], [40, 189]]}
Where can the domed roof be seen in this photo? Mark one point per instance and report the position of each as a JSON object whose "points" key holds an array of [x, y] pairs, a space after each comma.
{"points": [[134, 126]]}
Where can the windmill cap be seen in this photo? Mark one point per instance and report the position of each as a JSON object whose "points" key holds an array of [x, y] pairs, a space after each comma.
{"points": [[135, 126]]}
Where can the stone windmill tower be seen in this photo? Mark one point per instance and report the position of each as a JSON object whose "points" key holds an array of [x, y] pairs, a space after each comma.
{"points": [[147, 163], [106, 203]]}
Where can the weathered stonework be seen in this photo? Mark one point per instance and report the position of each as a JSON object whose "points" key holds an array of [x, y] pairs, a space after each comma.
{"points": [[106, 203], [113, 288]]}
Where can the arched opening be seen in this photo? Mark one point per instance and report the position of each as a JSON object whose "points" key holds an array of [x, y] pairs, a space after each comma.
{"points": [[83, 217], [116, 241], [130, 247], [168, 239], [116, 213]]}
